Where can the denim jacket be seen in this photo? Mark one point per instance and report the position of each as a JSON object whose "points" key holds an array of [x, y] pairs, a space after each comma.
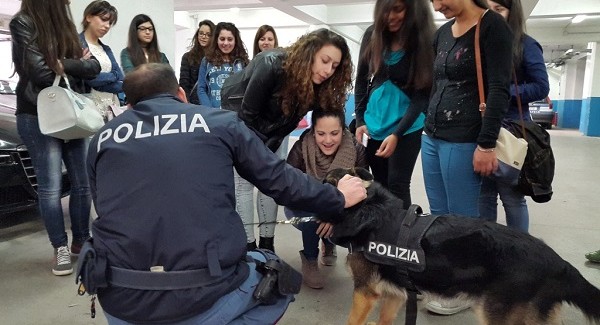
{"points": [[110, 82]]}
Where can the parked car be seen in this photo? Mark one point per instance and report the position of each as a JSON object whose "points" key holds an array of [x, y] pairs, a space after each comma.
{"points": [[18, 184], [542, 113]]}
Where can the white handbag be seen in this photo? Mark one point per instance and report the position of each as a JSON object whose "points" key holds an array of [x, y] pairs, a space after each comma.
{"points": [[510, 152], [66, 114]]}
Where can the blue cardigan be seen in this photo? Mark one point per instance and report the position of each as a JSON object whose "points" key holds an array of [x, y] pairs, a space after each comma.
{"points": [[109, 82], [532, 79]]}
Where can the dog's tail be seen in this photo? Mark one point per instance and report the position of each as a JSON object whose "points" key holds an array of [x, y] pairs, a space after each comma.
{"points": [[581, 294]]}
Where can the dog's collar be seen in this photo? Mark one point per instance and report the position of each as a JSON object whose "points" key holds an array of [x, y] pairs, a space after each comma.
{"points": [[355, 248]]}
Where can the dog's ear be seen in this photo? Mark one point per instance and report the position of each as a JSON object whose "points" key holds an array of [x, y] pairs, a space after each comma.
{"points": [[364, 174], [335, 175]]}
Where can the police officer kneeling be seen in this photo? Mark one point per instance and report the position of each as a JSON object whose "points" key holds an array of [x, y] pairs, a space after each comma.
{"points": [[168, 246]]}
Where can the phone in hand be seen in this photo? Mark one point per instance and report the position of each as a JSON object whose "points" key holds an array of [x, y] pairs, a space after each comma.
{"points": [[365, 139]]}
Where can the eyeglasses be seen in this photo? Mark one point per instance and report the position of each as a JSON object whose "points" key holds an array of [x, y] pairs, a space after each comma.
{"points": [[201, 34], [143, 29]]}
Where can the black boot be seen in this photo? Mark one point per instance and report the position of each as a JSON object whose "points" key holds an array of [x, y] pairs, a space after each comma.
{"points": [[266, 243], [251, 245]]}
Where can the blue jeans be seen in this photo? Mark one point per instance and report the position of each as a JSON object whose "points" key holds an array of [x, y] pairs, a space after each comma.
{"points": [[395, 172], [515, 205], [47, 153], [451, 184], [237, 307], [310, 240], [266, 207]]}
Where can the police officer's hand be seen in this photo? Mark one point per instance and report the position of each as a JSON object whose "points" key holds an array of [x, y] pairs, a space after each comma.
{"points": [[353, 190]]}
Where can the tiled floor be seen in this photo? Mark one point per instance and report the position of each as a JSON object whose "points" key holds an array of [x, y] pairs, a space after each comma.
{"points": [[569, 223]]}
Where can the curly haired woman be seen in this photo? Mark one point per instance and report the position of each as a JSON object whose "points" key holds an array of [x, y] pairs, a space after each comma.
{"points": [[282, 86], [226, 55]]}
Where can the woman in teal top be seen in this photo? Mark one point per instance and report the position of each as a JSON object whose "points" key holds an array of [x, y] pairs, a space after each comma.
{"points": [[392, 90], [142, 45]]}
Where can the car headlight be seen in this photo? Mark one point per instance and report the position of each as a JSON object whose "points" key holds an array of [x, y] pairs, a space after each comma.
{"points": [[6, 160]]}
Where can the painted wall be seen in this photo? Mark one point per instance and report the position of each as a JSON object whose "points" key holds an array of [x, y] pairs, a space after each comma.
{"points": [[571, 87], [590, 117]]}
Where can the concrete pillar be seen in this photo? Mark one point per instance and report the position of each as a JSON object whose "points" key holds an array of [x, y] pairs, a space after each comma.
{"points": [[571, 89], [590, 112]]}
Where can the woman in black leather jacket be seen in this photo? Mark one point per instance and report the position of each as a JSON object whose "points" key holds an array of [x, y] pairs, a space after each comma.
{"points": [[44, 44], [283, 85]]}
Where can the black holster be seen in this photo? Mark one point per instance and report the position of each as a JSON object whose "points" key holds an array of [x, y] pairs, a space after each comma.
{"points": [[279, 279], [91, 268]]}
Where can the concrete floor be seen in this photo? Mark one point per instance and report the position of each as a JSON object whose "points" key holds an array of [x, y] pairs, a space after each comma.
{"points": [[568, 223]]}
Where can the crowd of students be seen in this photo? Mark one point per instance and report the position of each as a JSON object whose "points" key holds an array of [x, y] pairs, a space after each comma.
{"points": [[415, 92]]}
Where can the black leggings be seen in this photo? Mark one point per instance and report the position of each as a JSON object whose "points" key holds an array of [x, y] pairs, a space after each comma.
{"points": [[395, 172]]}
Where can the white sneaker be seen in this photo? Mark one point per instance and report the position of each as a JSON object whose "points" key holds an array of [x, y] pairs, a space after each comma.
{"points": [[447, 307]]}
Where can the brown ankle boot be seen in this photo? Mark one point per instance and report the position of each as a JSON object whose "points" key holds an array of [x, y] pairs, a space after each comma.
{"points": [[311, 276]]}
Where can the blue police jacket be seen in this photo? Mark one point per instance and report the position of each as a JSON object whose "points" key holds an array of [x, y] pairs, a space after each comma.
{"points": [[161, 177]]}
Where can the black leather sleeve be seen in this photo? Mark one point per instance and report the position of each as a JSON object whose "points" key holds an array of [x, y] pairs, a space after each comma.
{"points": [[83, 69], [361, 85], [261, 86], [26, 54]]}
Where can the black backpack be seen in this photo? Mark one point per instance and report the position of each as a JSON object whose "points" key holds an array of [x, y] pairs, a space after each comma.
{"points": [[537, 172], [232, 92]]}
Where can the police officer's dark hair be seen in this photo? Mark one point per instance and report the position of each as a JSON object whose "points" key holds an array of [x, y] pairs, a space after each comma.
{"points": [[148, 80]]}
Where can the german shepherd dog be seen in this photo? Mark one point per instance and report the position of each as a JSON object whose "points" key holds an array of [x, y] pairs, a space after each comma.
{"points": [[508, 276]]}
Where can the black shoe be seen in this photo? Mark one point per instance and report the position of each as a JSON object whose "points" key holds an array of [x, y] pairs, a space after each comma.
{"points": [[251, 246], [266, 243]]}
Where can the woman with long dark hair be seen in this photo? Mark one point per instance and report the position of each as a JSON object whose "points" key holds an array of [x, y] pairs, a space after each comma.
{"points": [[142, 44], [532, 81], [226, 55], [44, 45], [327, 145], [190, 61], [392, 90], [265, 39]]}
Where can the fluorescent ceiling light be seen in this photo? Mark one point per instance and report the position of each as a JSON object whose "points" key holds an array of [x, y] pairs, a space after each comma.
{"points": [[234, 10], [579, 18]]}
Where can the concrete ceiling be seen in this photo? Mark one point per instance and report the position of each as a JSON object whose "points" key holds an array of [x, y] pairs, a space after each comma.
{"points": [[549, 21]]}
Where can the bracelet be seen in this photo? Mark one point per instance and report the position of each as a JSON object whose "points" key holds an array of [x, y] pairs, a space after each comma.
{"points": [[485, 149]]}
